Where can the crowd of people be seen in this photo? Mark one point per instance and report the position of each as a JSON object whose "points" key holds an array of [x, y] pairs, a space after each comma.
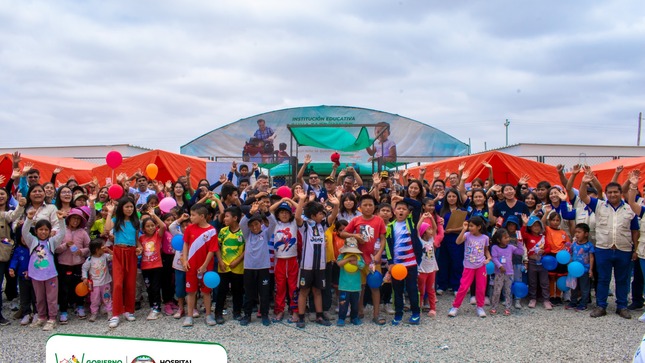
{"points": [[395, 245]]}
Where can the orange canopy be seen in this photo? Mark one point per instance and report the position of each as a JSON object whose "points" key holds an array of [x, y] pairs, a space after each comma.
{"points": [[605, 171], [170, 165], [79, 169], [506, 168]]}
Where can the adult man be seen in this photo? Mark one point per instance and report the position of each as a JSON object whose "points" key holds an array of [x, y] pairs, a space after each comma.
{"points": [[141, 190], [351, 180], [266, 134], [314, 185], [616, 235]]}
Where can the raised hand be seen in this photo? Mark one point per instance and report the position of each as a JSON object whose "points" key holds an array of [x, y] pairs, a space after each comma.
{"points": [[576, 168], [465, 225], [22, 201], [486, 165], [233, 166], [188, 169], [405, 173], [562, 195], [465, 175], [223, 179], [110, 207], [619, 169], [376, 178], [491, 202], [587, 178], [15, 174], [462, 166], [31, 213], [524, 179], [16, 158], [436, 173], [633, 178], [307, 159], [447, 174], [255, 167], [26, 168], [58, 170], [2, 179], [61, 214], [525, 219], [333, 200], [168, 184], [559, 168], [396, 175], [422, 172]]}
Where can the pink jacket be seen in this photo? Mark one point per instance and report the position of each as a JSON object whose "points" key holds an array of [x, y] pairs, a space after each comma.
{"points": [[81, 241]]}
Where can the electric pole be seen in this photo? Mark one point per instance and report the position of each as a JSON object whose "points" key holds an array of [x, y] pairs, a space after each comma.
{"points": [[507, 123]]}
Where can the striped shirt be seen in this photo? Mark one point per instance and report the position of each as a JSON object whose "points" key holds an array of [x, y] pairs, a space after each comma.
{"points": [[313, 246], [200, 242], [403, 251]]}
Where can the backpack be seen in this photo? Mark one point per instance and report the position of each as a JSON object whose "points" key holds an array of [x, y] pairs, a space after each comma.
{"points": [[6, 242]]}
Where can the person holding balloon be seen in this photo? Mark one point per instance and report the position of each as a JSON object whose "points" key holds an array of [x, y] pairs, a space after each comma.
{"points": [[428, 267], [96, 276], [349, 283], [534, 242], [557, 240], [502, 256], [582, 252]]}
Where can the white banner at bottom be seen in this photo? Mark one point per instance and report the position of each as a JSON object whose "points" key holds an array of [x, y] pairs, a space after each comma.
{"points": [[64, 348]]}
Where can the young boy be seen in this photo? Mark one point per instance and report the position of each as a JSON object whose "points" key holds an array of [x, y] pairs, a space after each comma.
{"points": [[583, 252], [200, 245], [349, 283], [313, 261], [257, 262], [369, 231], [404, 248]]}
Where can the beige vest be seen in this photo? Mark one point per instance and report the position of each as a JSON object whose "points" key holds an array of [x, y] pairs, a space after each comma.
{"points": [[613, 226], [583, 216]]}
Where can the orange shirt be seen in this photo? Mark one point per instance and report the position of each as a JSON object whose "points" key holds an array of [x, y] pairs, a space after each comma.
{"points": [[555, 240]]}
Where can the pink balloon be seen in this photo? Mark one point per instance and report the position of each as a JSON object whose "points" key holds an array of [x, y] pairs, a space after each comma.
{"points": [[167, 204], [114, 159], [115, 191], [284, 192]]}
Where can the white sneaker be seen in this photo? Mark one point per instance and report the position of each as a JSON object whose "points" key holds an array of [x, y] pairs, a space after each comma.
{"points": [[129, 317], [153, 315], [453, 312], [113, 322], [481, 313], [642, 318], [518, 305], [389, 309], [25, 320], [473, 300]]}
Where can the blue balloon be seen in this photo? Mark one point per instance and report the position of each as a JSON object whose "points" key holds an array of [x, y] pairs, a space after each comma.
{"points": [[211, 279], [576, 269], [177, 242], [520, 289], [374, 280], [562, 284], [549, 263], [563, 257], [490, 268]]}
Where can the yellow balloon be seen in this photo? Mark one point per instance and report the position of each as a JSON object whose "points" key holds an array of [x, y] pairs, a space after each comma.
{"points": [[350, 268], [152, 170]]}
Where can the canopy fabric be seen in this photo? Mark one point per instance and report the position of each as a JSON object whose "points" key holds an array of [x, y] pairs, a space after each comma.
{"points": [[78, 169], [605, 171], [331, 138], [170, 165], [506, 168], [324, 169]]}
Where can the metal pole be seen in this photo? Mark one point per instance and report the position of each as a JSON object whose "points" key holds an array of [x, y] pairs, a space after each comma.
{"points": [[640, 121], [506, 124]]}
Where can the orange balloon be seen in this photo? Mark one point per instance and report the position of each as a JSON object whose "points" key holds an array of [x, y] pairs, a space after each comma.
{"points": [[82, 290], [152, 170], [399, 272]]}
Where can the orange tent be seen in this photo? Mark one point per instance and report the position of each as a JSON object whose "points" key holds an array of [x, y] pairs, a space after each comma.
{"points": [[506, 168], [605, 171], [79, 169], [171, 166]]}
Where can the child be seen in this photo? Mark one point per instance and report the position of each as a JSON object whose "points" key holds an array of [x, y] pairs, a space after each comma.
{"points": [[124, 226], [476, 256], [369, 231], [98, 228], [177, 228], [285, 245], [583, 252], [153, 229], [313, 260], [556, 241], [256, 263], [535, 245], [167, 256], [348, 207], [428, 266], [200, 245], [71, 255], [96, 275], [232, 244], [502, 256], [349, 283], [404, 248], [42, 270], [19, 266], [512, 225], [387, 215]]}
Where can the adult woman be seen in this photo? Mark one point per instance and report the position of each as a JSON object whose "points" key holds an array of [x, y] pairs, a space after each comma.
{"points": [[451, 255], [179, 195], [50, 193], [6, 218], [36, 201], [64, 199]]}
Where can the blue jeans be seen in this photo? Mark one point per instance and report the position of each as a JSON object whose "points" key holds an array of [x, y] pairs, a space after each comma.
{"points": [[410, 285], [345, 299], [619, 261]]}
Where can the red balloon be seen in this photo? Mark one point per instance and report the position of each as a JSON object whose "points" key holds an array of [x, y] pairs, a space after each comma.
{"points": [[284, 192], [114, 159], [115, 191]]}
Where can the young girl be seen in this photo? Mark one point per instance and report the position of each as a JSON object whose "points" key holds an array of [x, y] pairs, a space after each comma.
{"points": [[71, 255], [153, 230], [476, 256], [556, 241], [177, 228], [512, 225], [502, 256], [42, 270], [96, 275], [124, 226], [348, 207], [285, 246], [428, 266], [232, 245], [167, 255], [387, 215], [535, 244]]}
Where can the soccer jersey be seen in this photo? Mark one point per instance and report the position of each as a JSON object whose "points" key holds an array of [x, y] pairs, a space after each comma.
{"points": [[200, 242], [313, 245], [232, 247]]}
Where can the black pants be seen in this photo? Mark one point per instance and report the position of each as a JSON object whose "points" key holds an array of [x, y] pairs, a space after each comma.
{"points": [[637, 284], [345, 299], [257, 282], [236, 282], [386, 293], [27, 297], [11, 288], [409, 284], [68, 278], [327, 291], [152, 279], [167, 278]]}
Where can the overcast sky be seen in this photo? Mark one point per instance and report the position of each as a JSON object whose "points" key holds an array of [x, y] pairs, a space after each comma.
{"points": [[161, 73]]}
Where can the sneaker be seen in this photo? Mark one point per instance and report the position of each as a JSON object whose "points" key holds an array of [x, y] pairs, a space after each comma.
{"points": [[195, 314], [642, 318], [340, 322], [25, 320], [178, 314], [188, 322], [210, 320], [624, 313], [237, 316], [397, 320], [245, 320], [598, 312], [415, 319], [153, 315], [481, 313], [266, 321], [548, 306], [18, 314], [426, 307], [569, 307], [219, 319], [3, 321], [129, 317], [356, 321], [633, 306], [432, 313], [36, 323], [300, 324], [80, 311], [168, 310], [14, 306], [439, 292], [389, 309], [49, 325], [486, 301], [518, 305], [113, 322], [453, 312], [581, 308], [63, 318], [473, 300], [323, 322], [92, 318], [532, 303]]}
